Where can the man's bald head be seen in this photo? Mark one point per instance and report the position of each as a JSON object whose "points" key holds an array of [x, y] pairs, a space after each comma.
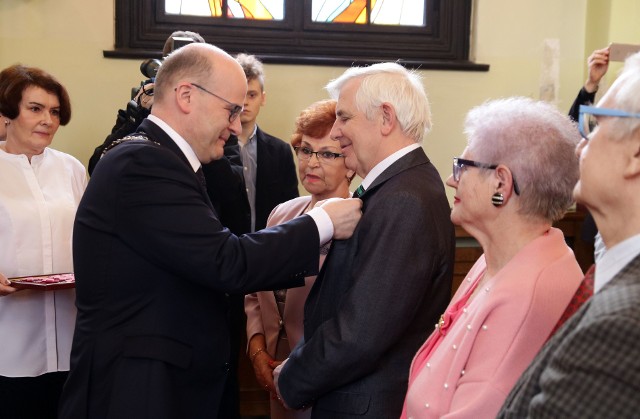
{"points": [[195, 61]]}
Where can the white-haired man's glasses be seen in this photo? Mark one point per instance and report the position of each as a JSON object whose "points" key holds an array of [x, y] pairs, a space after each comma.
{"points": [[588, 118]]}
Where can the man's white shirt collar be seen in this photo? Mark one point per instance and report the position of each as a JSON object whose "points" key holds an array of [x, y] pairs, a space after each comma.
{"points": [[180, 142], [614, 260], [384, 164]]}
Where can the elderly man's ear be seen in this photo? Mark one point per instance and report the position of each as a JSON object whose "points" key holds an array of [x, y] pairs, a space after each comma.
{"points": [[632, 168], [389, 120]]}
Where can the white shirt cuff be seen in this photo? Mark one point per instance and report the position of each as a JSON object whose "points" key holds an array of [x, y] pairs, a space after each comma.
{"points": [[324, 224]]}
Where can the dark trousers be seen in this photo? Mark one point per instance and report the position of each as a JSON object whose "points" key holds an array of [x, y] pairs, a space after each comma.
{"points": [[31, 397], [230, 403]]}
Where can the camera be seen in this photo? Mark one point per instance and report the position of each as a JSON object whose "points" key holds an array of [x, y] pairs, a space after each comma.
{"points": [[176, 42], [149, 68]]}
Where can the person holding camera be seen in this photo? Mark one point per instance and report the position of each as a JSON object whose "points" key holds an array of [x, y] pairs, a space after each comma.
{"points": [[139, 107]]}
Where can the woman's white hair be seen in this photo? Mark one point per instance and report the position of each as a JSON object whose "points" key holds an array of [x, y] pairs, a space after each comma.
{"points": [[536, 142], [393, 84]]}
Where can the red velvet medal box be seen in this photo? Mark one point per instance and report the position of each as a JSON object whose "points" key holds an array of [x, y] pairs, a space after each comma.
{"points": [[45, 282]]}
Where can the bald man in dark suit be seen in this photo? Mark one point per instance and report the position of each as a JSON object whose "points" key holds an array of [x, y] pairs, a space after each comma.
{"points": [[153, 262]]}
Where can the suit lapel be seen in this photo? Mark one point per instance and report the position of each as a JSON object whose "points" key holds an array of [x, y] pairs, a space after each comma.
{"points": [[232, 151], [409, 160], [263, 160], [160, 136], [414, 158], [628, 273]]}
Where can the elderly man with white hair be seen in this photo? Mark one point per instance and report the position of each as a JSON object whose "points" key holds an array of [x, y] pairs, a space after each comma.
{"points": [[380, 292], [591, 367]]}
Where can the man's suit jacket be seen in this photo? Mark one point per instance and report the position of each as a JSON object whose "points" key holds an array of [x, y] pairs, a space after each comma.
{"points": [[225, 178], [591, 367], [276, 181], [276, 178], [376, 299], [227, 191], [152, 265]]}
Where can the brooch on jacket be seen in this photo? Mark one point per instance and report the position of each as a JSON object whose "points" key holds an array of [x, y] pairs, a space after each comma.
{"points": [[440, 324]]}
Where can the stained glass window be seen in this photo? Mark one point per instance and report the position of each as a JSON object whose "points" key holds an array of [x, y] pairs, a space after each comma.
{"points": [[431, 34], [240, 9], [376, 12], [382, 12]]}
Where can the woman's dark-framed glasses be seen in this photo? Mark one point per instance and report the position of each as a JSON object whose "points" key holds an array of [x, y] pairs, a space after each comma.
{"points": [[459, 164], [305, 153], [587, 118], [234, 111]]}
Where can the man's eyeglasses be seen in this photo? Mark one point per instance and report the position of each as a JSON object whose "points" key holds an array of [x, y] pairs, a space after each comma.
{"points": [[234, 111], [587, 119], [305, 153], [459, 163]]}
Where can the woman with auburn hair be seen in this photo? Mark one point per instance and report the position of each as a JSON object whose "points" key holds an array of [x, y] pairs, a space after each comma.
{"points": [[274, 318], [513, 180], [37, 209]]}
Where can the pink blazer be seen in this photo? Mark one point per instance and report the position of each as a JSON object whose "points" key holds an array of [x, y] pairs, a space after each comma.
{"points": [[261, 308], [471, 372]]}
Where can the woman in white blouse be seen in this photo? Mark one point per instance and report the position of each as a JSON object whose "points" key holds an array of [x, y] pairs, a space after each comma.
{"points": [[39, 193]]}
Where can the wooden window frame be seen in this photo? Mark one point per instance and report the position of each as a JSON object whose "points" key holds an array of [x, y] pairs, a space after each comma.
{"points": [[142, 28]]}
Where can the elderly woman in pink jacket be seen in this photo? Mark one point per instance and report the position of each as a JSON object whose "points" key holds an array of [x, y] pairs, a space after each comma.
{"points": [[513, 180], [274, 318]]}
